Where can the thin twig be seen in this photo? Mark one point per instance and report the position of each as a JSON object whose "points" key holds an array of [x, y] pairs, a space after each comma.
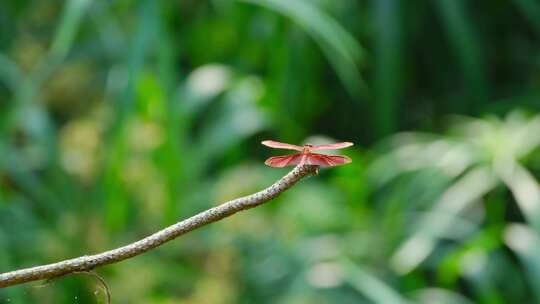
{"points": [[101, 281], [90, 273], [89, 262]]}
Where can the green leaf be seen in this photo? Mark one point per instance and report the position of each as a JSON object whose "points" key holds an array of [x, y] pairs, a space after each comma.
{"points": [[525, 242], [465, 191], [376, 290]]}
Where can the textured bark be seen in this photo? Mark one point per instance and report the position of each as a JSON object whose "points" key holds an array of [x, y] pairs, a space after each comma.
{"points": [[89, 262]]}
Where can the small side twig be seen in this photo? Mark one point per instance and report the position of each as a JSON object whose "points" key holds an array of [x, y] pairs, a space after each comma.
{"points": [[93, 274], [89, 262], [101, 281]]}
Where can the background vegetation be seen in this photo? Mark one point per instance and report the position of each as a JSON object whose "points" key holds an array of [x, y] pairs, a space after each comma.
{"points": [[120, 117]]}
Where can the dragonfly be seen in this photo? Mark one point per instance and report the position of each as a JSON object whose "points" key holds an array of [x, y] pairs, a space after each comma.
{"points": [[306, 155]]}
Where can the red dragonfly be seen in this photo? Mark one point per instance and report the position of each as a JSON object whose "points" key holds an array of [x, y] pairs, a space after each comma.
{"points": [[306, 156]]}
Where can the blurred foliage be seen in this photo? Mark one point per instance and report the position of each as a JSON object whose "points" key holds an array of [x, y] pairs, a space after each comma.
{"points": [[120, 117]]}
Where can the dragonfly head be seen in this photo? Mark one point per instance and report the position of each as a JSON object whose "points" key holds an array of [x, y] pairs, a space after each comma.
{"points": [[307, 148]]}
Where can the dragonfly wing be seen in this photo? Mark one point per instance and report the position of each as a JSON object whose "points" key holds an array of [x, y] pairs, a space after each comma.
{"points": [[327, 160], [280, 145], [284, 160], [335, 146]]}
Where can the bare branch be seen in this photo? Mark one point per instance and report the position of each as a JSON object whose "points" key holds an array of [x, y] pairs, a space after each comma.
{"points": [[89, 262]]}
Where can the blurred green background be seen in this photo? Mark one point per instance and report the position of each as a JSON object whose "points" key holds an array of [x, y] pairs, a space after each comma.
{"points": [[119, 117]]}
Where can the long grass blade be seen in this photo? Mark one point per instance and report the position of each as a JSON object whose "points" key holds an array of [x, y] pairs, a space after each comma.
{"points": [[338, 45], [464, 43]]}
